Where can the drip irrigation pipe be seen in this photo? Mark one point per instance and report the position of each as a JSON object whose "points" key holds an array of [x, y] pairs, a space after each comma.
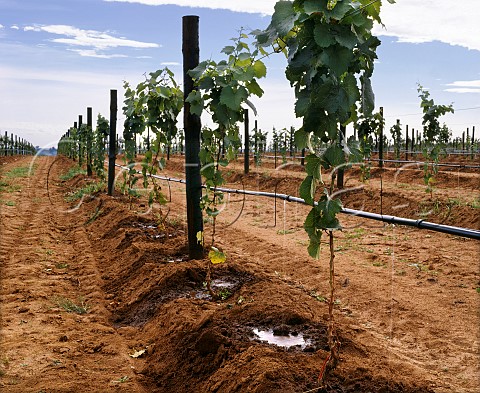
{"points": [[429, 163], [420, 224]]}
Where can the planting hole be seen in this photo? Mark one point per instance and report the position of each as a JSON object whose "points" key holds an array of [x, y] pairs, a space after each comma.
{"points": [[282, 339]]}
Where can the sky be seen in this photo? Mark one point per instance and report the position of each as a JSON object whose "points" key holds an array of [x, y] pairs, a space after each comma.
{"points": [[58, 57]]}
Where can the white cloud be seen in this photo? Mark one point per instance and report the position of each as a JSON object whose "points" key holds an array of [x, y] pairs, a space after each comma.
{"points": [[264, 7], [96, 41], [94, 53], [170, 63], [416, 21], [410, 20], [1, 26], [464, 87], [15, 27]]}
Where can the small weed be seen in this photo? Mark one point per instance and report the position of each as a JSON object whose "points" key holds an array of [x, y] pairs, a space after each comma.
{"points": [[475, 203], [478, 289], [401, 273], [356, 234], [379, 264], [69, 306], [224, 294], [62, 265], [121, 379], [19, 172], [72, 172], [285, 231], [9, 203], [89, 189], [318, 297], [7, 187]]}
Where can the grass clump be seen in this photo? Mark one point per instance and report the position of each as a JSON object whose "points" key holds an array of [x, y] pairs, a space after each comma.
{"points": [[20, 171], [89, 189], [70, 306], [72, 172]]}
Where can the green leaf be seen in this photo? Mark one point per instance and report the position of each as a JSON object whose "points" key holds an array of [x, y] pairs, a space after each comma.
{"points": [[337, 58], [367, 96], [314, 248], [323, 36], [228, 50], [333, 157], [260, 69], [233, 98], [216, 256], [196, 102], [313, 166], [301, 138], [199, 70], [307, 190], [283, 18], [314, 6], [254, 88]]}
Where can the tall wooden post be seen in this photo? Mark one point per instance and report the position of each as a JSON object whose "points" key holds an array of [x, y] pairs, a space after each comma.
{"points": [[406, 142], [192, 126], [246, 150], [80, 141], [412, 142], [341, 171], [89, 141], [380, 144], [112, 144]]}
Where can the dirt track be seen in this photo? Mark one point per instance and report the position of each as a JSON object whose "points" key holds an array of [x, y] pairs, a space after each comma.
{"points": [[407, 309]]}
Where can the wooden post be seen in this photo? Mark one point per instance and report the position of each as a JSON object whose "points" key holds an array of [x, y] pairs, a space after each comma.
{"points": [[89, 140], [406, 142], [246, 149], [473, 141], [192, 126], [412, 142], [302, 159], [341, 171], [80, 141], [380, 144], [112, 144], [463, 141], [256, 143]]}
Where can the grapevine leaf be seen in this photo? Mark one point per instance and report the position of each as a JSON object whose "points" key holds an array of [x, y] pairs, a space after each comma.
{"points": [[228, 50], [314, 248], [283, 18], [196, 102], [216, 256], [333, 157], [313, 166], [301, 138], [254, 88], [367, 96], [323, 36], [314, 6], [337, 58], [199, 70], [307, 190], [260, 69], [233, 98]]}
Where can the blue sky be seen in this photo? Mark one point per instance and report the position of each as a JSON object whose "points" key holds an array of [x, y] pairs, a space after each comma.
{"points": [[59, 56]]}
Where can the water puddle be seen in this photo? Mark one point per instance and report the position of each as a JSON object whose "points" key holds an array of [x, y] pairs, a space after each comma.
{"points": [[285, 340]]}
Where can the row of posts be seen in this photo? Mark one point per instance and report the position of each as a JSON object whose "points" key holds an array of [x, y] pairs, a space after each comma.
{"points": [[14, 145]]}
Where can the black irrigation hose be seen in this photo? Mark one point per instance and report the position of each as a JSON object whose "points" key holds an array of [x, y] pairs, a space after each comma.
{"points": [[420, 224], [429, 163]]}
